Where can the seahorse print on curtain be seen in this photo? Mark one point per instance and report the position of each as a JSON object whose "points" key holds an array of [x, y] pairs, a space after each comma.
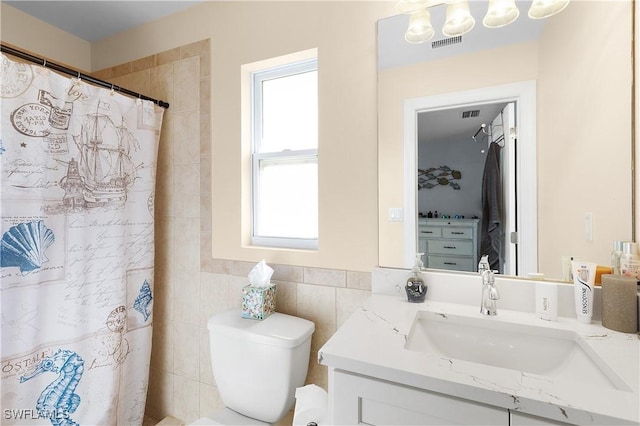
{"points": [[78, 168]]}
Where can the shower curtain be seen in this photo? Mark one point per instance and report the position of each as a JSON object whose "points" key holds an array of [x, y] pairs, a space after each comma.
{"points": [[76, 258]]}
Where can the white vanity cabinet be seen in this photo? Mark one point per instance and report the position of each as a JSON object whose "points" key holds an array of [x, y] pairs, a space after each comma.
{"points": [[449, 243], [357, 399]]}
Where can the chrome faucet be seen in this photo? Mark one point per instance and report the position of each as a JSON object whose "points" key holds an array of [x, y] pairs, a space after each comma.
{"points": [[489, 293]]}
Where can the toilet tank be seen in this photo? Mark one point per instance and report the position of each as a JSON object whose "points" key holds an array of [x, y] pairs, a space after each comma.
{"points": [[258, 365]]}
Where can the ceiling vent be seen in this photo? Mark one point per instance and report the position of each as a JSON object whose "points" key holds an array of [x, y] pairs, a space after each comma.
{"points": [[446, 42], [470, 114]]}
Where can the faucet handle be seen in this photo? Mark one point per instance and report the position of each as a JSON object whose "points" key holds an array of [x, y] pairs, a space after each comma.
{"points": [[494, 294]]}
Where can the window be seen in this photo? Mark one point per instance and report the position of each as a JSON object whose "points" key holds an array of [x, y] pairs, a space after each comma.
{"points": [[285, 156]]}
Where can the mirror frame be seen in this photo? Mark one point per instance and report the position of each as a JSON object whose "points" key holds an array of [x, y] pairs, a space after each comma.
{"points": [[524, 93]]}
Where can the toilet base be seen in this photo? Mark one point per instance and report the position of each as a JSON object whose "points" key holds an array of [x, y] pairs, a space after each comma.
{"points": [[228, 417]]}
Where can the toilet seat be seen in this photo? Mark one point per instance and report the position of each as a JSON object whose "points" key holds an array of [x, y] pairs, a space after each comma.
{"points": [[228, 417]]}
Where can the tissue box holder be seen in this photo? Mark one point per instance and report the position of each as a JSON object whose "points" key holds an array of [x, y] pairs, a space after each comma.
{"points": [[258, 302]]}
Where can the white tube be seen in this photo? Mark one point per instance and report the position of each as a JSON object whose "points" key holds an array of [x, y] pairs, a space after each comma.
{"points": [[584, 275]]}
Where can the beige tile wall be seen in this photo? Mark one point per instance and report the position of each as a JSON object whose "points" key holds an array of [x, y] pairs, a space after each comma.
{"points": [[190, 286]]}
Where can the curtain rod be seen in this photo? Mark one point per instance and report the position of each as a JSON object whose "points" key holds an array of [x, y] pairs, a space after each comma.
{"points": [[86, 77]]}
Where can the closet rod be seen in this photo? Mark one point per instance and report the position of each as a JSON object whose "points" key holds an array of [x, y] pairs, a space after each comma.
{"points": [[81, 76], [481, 129]]}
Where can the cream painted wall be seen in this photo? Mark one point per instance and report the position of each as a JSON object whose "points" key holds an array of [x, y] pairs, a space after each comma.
{"points": [[243, 32], [584, 133], [21, 30], [597, 117]]}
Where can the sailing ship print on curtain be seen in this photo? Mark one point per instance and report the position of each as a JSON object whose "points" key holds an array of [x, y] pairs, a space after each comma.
{"points": [[76, 255]]}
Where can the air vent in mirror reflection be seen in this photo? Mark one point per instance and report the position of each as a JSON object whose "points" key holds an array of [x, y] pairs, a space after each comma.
{"points": [[470, 114]]}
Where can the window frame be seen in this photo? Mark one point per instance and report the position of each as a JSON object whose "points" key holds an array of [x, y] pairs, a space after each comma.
{"points": [[286, 156]]}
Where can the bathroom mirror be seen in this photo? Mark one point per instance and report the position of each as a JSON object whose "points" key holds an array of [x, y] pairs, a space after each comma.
{"points": [[580, 62]]}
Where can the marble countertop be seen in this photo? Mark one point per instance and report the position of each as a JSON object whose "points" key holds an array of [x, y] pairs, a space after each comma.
{"points": [[372, 343]]}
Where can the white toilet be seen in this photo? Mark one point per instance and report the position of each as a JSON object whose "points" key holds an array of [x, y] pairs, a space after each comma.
{"points": [[257, 365]]}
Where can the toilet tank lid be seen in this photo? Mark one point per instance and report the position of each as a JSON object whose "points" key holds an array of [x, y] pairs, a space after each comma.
{"points": [[278, 329]]}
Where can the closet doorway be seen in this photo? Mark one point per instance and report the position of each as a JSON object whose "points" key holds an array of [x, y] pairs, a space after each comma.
{"points": [[455, 131]]}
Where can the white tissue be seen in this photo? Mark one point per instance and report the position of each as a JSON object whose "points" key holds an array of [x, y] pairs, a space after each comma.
{"points": [[312, 404], [260, 275]]}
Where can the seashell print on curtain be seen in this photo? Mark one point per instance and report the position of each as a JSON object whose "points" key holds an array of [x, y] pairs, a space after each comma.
{"points": [[76, 250]]}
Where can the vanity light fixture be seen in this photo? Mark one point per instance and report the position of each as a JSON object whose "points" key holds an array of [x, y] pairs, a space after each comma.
{"points": [[459, 21], [420, 29], [500, 13], [407, 7], [544, 8]]}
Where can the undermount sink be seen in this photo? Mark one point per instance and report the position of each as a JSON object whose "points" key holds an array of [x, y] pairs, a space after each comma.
{"points": [[548, 352]]}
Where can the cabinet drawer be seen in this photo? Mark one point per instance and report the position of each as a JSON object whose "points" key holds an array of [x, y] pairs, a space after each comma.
{"points": [[452, 263], [453, 247], [462, 233], [430, 232]]}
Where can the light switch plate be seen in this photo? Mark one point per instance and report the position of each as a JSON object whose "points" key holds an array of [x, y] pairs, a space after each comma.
{"points": [[588, 226], [396, 214]]}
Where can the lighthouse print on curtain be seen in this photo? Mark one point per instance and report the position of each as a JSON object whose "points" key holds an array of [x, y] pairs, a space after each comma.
{"points": [[76, 254]]}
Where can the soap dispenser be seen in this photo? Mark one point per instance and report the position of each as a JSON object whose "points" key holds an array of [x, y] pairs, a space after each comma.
{"points": [[415, 287]]}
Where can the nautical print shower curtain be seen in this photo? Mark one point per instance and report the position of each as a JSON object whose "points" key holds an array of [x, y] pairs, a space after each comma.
{"points": [[76, 257]]}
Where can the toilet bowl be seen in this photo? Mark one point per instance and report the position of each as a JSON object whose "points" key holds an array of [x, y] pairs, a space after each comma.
{"points": [[257, 365]]}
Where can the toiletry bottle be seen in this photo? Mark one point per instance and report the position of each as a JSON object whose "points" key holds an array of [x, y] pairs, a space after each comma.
{"points": [[429, 215], [616, 253], [415, 287], [435, 214], [546, 300], [630, 261], [583, 281]]}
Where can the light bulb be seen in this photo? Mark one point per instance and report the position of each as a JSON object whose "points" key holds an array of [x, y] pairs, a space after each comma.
{"points": [[420, 29], [545, 8], [410, 6], [500, 13], [459, 20]]}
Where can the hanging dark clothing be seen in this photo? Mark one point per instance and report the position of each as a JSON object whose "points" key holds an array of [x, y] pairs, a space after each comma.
{"points": [[491, 234]]}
